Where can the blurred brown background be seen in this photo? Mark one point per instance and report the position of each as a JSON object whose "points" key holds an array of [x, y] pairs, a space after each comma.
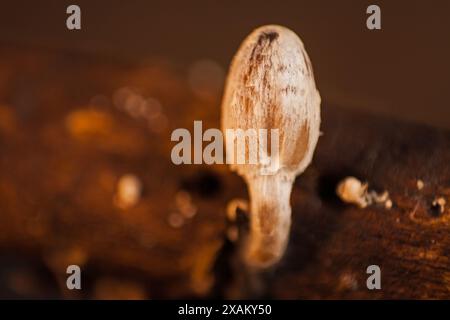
{"points": [[86, 117], [402, 70]]}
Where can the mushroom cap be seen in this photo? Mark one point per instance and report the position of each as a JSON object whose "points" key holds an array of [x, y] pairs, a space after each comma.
{"points": [[270, 85]]}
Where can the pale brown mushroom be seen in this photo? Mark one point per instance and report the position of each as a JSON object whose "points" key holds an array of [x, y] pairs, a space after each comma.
{"points": [[270, 85]]}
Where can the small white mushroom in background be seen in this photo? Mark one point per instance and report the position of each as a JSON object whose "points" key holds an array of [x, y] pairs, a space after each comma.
{"points": [[420, 184], [352, 190], [388, 204], [374, 197], [270, 85], [128, 193], [439, 202]]}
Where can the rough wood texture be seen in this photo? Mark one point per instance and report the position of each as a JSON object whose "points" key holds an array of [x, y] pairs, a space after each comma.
{"points": [[62, 153]]}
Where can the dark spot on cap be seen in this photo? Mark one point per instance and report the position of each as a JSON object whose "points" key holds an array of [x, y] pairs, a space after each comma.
{"points": [[256, 60], [265, 38], [270, 36]]}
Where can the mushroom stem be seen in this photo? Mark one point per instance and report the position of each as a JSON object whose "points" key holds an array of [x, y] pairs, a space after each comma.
{"points": [[270, 220]]}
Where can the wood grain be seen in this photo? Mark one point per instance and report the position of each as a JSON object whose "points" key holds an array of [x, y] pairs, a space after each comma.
{"points": [[57, 185]]}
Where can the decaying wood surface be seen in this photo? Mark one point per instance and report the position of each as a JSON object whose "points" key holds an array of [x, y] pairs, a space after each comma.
{"points": [[64, 144]]}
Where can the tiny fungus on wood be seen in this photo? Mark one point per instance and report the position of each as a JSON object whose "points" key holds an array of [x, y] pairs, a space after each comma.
{"points": [[271, 85]]}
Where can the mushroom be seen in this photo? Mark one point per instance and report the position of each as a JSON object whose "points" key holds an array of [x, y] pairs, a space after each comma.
{"points": [[270, 85]]}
